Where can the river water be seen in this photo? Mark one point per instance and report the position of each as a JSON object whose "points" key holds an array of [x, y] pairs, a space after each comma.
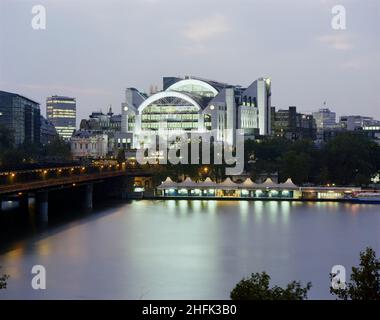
{"points": [[196, 249]]}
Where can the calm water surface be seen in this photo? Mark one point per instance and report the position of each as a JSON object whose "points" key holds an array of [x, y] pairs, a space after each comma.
{"points": [[178, 249]]}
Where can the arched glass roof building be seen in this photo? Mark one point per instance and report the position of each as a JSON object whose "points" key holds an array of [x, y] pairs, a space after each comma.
{"points": [[197, 105]]}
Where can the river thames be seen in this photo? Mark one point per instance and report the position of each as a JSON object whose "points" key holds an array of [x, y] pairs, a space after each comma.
{"points": [[188, 249]]}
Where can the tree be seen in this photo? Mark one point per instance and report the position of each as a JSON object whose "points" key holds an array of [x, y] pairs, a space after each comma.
{"points": [[257, 288], [58, 148], [3, 281], [352, 158], [364, 281]]}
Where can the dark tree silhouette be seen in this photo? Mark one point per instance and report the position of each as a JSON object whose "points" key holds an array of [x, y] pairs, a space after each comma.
{"points": [[257, 288], [3, 281], [364, 281]]}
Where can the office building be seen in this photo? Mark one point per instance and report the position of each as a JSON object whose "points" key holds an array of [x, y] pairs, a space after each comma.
{"points": [[325, 119], [48, 132], [292, 125], [193, 104], [22, 116], [61, 111], [351, 123]]}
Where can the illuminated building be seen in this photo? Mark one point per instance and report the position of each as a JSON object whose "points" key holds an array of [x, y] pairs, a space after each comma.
{"points": [[85, 144], [193, 104], [61, 111]]}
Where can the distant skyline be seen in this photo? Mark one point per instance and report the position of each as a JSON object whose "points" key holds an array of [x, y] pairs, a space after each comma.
{"points": [[93, 50]]}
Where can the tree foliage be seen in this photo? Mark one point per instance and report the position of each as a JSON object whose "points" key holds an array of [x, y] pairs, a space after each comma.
{"points": [[3, 281], [257, 288], [347, 159], [364, 281], [57, 148]]}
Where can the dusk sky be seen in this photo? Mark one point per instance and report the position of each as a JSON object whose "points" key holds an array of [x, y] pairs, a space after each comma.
{"points": [[93, 50]]}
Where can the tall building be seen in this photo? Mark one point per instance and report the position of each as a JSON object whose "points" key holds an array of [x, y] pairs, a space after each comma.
{"points": [[292, 125], [193, 104], [325, 119], [255, 107], [61, 111], [22, 116]]}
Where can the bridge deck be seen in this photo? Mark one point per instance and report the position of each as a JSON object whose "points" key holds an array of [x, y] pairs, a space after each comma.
{"points": [[64, 181]]}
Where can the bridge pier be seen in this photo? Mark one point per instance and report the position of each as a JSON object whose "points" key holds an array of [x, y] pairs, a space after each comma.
{"points": [[125, 187], [89, 188], [23, 202], [42, 204]]}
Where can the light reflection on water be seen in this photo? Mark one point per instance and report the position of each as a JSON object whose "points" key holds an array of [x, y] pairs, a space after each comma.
{"points": [[174, 249]]}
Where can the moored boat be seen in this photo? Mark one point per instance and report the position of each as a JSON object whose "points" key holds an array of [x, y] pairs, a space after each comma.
{"points": [[367, 197]]}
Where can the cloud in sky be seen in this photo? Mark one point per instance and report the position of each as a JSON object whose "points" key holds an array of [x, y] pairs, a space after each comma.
{"points": [[205, 29], [339, 40], [93, 49]]}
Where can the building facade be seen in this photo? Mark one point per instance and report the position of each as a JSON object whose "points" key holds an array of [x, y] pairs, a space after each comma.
{"points": [[98, 121], [61, 111], [48, 132], [109, 124], [293, 125], [88, 145], [193, 104], [22, 116], [325, 119], [351, 123]]}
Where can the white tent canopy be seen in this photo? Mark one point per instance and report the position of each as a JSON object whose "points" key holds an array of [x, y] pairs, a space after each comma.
{"points": [[208, 183], [268, 183], [167, 184], [248, 183], [288, 184], [228, 184], [187, 183]]}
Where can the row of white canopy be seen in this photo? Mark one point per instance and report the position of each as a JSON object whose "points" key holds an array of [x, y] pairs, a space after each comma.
{"points": [[226, 184]]}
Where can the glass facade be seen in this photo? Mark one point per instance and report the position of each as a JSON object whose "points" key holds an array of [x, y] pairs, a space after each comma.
{"points": [[194, 86], [22, 116], [61, 111], [170, 114]]}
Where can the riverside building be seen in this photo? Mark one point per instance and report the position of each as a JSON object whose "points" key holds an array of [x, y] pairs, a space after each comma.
{"points": [[193, 104]]}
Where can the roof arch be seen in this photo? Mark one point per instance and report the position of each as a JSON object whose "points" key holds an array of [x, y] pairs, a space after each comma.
{"points": [[168, 94], [180, 85]]}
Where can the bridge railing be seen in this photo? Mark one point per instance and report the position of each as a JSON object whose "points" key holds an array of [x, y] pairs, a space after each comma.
{"points": [[25, 176]]}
